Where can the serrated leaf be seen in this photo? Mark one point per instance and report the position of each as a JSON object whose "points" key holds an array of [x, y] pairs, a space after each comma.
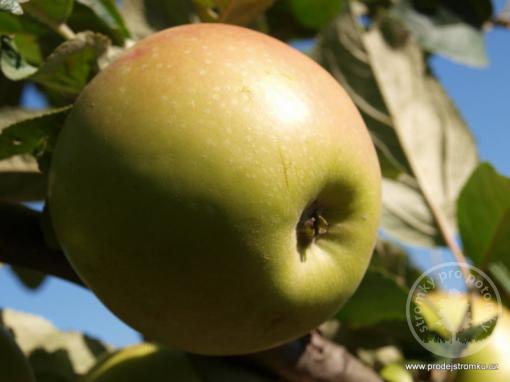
{"points": [[484, 217], [12, 63], [71, 65], [32, 135], [53, 12], [445, 33], [421, 112], [367, 307], [315, 13], [12, 6], [240, 12], [33, 333]]}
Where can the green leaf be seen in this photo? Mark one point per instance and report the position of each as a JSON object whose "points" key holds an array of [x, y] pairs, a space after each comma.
{"points": [[445, 33], [378, 298], [20, 178], [341, 51], [395, 372], [54, 12], [484, 217], [240, 12], [406, 215], [100, 16], [12, 63], [69, 68], [52, 366], [29, 278], [12, 6], [501, 275], [421, 111], [34, 334], [475, 12], [315, 13], [33, 135], [144, 17]]}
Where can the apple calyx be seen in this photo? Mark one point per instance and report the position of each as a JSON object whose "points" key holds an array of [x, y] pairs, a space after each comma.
{"points": [[311, 226]]}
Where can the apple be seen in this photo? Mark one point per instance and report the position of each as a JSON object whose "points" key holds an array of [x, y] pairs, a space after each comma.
{"points": [[217, 190], [157, 363], [494, 350], [14, 367], [143, 362]]}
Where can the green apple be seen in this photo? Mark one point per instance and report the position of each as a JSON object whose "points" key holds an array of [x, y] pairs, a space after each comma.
{"points": [[217, 190], [14, 367], [141, 363]]}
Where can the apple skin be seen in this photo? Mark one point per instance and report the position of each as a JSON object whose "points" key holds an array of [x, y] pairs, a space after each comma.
{"points": [[182, 174], [143, 362], [14, 366]]}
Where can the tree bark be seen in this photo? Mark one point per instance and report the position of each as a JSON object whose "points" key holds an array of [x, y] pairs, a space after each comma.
{"points": [[312, 358]]}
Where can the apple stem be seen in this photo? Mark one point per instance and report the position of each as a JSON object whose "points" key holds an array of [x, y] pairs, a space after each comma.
{"points": [[311, 226]]}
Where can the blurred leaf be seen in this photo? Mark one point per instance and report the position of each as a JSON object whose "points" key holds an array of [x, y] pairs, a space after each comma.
{"points": [[240, 12], [341, 51], [396, 372], [28, 47], [20, 178], [144, 17], [34, 333], [477, 332], [406, 215], [107, 11], [12, 63], [484, 217], [501, 275], [33, 134], [53, 12], [11, 92], [28, 277], [378, 298], [475, 12], [279, 21], [52, 366], [100, 16], [421, 111], [445, 33], [72, 64], [315, 13], [12, 6]]}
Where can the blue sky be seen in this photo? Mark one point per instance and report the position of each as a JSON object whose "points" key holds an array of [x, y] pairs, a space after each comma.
{"points": [[482, 95]]}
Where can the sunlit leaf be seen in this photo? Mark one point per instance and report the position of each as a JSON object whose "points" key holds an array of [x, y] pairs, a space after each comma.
{"points": [[484, 217]]}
